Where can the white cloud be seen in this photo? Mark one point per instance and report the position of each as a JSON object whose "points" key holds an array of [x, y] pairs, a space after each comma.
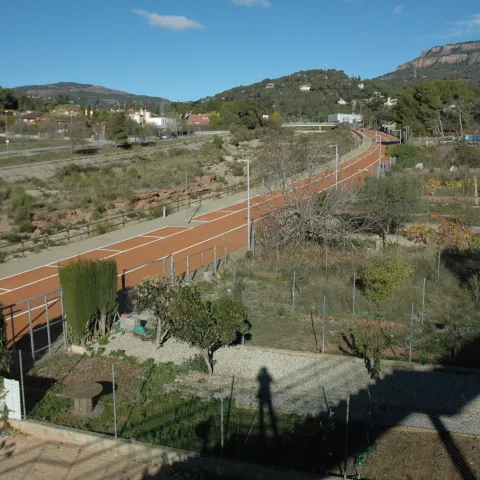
{"points": [[467, 27], [461, 28], [252, 3], [398, 10], [168, 22]]}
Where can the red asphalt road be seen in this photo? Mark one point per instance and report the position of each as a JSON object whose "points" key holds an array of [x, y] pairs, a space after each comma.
{"points": [[225, 229]]}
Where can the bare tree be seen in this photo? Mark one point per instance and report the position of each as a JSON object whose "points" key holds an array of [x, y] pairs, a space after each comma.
{"points": [[50, 128], [303, 207], [77, 134]]}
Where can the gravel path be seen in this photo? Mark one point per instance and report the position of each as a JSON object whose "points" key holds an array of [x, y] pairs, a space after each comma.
{"points": [[172, 351], [312, 385]]}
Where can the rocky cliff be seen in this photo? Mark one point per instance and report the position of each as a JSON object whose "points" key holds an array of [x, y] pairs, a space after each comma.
{"points": [[460, 61], [468, 52]]}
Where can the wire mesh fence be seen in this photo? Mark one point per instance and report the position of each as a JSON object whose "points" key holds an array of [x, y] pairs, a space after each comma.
{"points": [[313, 299], [121, 397]]}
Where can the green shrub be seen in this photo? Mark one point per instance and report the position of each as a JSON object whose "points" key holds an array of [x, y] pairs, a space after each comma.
{"points": [[237, 169], [19, 198], [12, 237], [217, 142], [157, 212], [89, 291], [26, 227], [380, 279]]}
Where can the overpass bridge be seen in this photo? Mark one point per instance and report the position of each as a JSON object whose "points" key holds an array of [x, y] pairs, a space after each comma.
{"points": [[308, 127]]}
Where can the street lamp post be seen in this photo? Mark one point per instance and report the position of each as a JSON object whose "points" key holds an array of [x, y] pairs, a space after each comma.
{"points": [[407, 133], [336, 165], [6, 131], [248, 205], [379, 140]]}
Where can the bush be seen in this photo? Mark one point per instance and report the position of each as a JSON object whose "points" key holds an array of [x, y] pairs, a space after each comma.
{"points": [[89, 290], [217, 142], [19, 198], [157, 212], [26, 227], [237, 169], [380, 279], [12, 237]]}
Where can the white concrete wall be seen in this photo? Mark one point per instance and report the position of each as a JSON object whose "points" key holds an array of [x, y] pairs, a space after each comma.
{"points": [[12, 399]]}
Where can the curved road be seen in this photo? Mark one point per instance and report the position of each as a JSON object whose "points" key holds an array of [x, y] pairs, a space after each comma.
{"points": [[153, 253]]}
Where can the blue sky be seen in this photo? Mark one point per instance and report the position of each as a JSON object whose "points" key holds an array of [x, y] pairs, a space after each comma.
{"points": [[187, 49]]}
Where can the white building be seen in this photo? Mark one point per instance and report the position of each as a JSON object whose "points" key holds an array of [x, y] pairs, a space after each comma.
{"points": [[145, 117], [346, 118], [305, 87], [342, 102], [391, 102], [166, 123]]}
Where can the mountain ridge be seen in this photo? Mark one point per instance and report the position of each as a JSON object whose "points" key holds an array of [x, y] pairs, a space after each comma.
{"points": [[91, 94], [453, 61]]}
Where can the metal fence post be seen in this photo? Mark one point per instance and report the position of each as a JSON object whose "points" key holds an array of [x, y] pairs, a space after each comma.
{"points": [[188, 268], [164, 211], [224, 250], [346, 438], [253, 240], [48, 327], [293, 290], [423, 300], [221, 419], [32, 345], [172, 270], [64, 322], [411, 337], [438, 266], [114, 402], [215, 259], [324, 326], [353, 299], [276, 261], [22, 385], [203, 268], [164, 267]]}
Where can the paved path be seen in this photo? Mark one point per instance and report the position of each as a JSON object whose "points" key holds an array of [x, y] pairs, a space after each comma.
{"points": [[224, 229]]}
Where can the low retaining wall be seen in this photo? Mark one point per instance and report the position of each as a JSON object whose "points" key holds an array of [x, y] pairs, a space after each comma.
{"points": [[159, 455]]}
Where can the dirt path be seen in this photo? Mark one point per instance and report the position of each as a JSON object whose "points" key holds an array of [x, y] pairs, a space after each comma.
{"points": [[25, 457]]}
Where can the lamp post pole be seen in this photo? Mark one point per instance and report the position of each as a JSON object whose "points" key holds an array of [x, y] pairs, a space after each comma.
{"points": [[336, 165], [6, 130], [248, 205]]}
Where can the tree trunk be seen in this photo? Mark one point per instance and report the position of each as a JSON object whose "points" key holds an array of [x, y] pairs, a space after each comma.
{"points": [[207, 356], [159, 332], [103, 324]]}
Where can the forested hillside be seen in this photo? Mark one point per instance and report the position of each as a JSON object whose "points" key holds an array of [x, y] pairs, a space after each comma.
{"points": [[326, 89], [439, 107]]}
